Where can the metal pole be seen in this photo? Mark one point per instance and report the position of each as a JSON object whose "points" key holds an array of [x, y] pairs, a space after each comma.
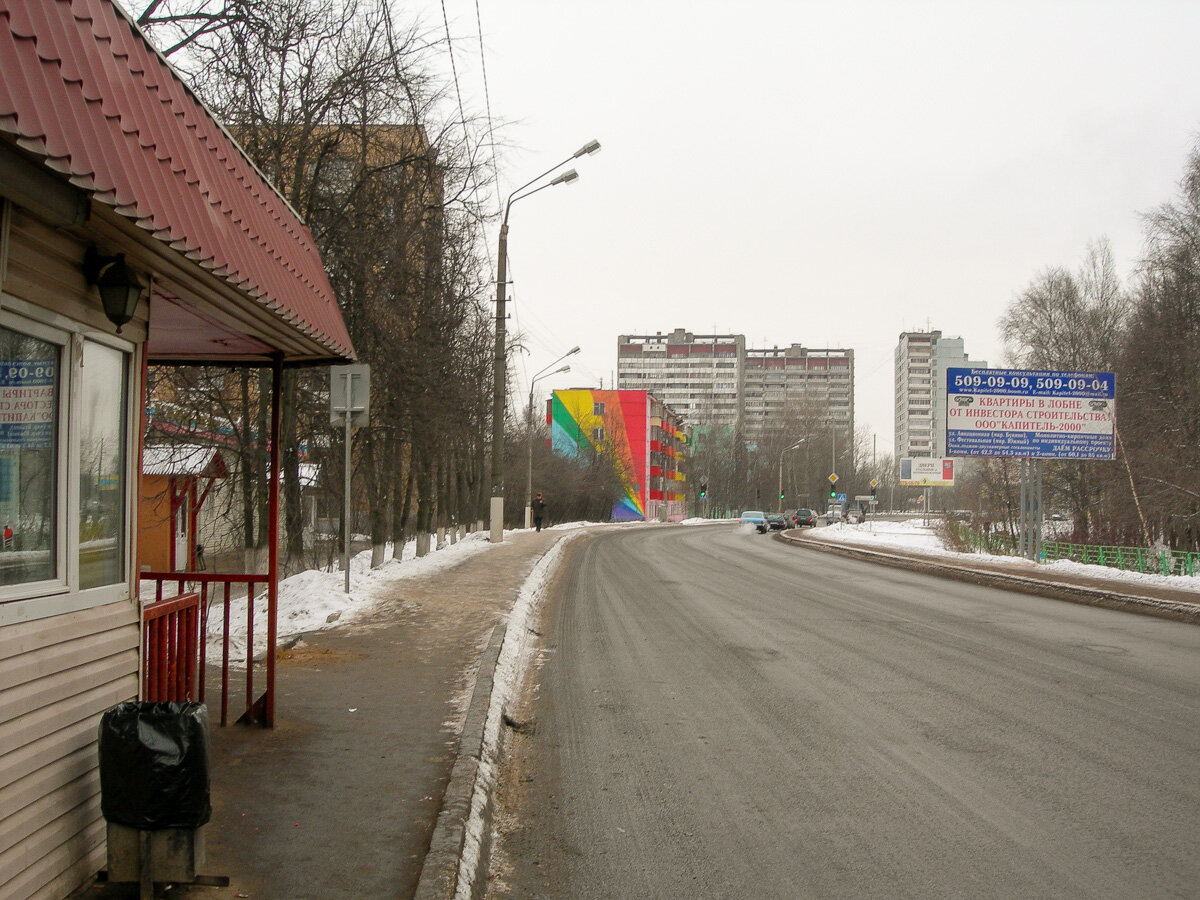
{"points": [[529, 469], [346, 487], [499, 376], [1037, 514], [779, 509]]}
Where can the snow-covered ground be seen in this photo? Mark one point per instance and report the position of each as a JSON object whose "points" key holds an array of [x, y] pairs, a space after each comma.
{"points": [[913, 536], [315, 600]]}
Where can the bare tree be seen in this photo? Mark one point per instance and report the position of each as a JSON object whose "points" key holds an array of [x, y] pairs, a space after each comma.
{"points": [[1160, 369], [1071, 322]]}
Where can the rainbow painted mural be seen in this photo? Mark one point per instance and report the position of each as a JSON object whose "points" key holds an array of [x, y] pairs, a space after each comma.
{"points": [[617, 421]]}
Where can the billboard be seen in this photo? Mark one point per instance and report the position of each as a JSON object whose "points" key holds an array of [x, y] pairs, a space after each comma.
{"points": [[926, 472], [1030, 413]]}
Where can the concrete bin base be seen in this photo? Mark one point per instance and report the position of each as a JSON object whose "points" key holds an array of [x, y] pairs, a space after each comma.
{"points": [[176, 854]]}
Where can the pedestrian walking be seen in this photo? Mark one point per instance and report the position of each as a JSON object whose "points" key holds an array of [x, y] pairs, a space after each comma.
{"points": [[539, 510]]}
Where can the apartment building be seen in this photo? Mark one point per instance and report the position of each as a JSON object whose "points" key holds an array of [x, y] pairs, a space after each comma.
{"points": [[646, 436], [922, 358], [798, 381], [715, 379], [697, 375]]}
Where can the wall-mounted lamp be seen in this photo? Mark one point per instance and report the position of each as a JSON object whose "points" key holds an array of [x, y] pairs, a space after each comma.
{"points": [[120, 286]]}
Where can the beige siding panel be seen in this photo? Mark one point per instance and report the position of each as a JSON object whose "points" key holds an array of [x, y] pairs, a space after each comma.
{"points": [[43, 825], [45, 754], [61, 869], [40, 696], [40, 785], [44, 664], [85, 707], [58, 675], [33, 635]]}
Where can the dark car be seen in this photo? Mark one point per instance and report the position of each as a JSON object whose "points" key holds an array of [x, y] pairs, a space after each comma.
{"points": [[776, 521], [804, 517]]}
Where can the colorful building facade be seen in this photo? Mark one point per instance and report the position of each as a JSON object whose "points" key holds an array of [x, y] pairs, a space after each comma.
{"points": [[647, 438]]}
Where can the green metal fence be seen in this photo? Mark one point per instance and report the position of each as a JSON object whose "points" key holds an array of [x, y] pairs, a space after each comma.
{"points": [[1135, 559]]}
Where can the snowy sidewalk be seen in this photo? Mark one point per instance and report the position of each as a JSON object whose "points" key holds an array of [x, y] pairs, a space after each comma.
{"points": [[341, 797]]}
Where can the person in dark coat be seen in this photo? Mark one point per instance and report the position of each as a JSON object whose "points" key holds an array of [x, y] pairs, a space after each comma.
{"points": [[539, 510]]}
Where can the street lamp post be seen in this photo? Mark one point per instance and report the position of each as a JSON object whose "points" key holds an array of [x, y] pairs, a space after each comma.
{"points": [[781, 452], [499, 374], [529, 428]]}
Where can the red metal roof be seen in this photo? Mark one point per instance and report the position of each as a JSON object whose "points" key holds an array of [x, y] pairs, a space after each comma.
{"points": [[81, 88]]}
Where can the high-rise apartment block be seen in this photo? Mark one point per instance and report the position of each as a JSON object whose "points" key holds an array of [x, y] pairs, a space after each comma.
{"points": [[922, 358], [715, 379]]}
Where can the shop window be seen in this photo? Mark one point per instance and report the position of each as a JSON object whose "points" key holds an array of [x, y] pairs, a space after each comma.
{"points": [[64, 468], [29, 413], [102, 416]]}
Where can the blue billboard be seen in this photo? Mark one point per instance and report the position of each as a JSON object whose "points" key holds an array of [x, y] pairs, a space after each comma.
{"points": [[1030, 413]]}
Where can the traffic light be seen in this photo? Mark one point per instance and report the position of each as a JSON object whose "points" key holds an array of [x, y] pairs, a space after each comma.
{"points": [[781, 495], [703, 490], [832, 494], [872, 493]]}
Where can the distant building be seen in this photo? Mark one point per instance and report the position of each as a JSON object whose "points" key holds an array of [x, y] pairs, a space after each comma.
{"points": [[787, 381], [646, 436], [922, 358], [700, 376], [715, 379]]}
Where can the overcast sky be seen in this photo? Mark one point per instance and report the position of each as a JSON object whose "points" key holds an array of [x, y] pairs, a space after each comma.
{"points": [[823, 173]]}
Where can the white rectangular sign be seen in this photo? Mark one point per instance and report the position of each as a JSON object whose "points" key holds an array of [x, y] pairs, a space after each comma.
{"points": [[930, 471], [350, 391]]}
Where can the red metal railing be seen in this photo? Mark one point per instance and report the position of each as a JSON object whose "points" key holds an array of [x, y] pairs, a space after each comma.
{"points": [[170, 651], [171, 655]]}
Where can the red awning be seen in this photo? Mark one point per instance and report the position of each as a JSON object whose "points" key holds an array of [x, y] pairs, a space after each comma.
{"points": [[82, 90]]}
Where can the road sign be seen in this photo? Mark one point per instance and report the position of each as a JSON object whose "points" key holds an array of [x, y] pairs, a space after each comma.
{"points": [[862, 497], [841, 498], [350, 391], [874, 483], [1030, 413], [833, 478]]}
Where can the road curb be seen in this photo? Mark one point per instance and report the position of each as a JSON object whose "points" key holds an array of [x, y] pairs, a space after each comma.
{"points": [[439, 872], [460, 848], [1136, 603]]}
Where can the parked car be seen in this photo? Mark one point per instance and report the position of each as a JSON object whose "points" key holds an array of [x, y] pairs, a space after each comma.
{"points": [[776, 521], [757, 518], [805, 517]]}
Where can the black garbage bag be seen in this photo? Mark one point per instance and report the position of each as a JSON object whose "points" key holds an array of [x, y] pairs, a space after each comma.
{"points": [[154, 765]]}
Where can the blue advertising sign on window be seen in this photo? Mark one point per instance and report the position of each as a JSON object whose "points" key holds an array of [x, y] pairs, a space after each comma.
{"points": [[27, 403], [1030, 413]]}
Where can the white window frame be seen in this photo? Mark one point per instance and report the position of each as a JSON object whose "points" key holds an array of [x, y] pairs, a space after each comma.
{"points": [[56, 596]]}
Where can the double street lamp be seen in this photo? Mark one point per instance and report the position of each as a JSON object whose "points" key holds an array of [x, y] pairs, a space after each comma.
{"points": [[499, 373], [529, 428], [798, 443]]}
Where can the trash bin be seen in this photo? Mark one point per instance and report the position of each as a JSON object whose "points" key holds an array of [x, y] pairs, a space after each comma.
{"points": [[154, 789]]}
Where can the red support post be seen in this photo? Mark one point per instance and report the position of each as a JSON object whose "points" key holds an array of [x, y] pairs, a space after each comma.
{"points": [[273, 537]]}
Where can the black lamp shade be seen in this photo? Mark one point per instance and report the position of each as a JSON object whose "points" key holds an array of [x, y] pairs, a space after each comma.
{"points": [[120, 286]]}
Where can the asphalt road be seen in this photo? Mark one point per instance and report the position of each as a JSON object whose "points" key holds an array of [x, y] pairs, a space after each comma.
{"points": [[718, 714]]}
